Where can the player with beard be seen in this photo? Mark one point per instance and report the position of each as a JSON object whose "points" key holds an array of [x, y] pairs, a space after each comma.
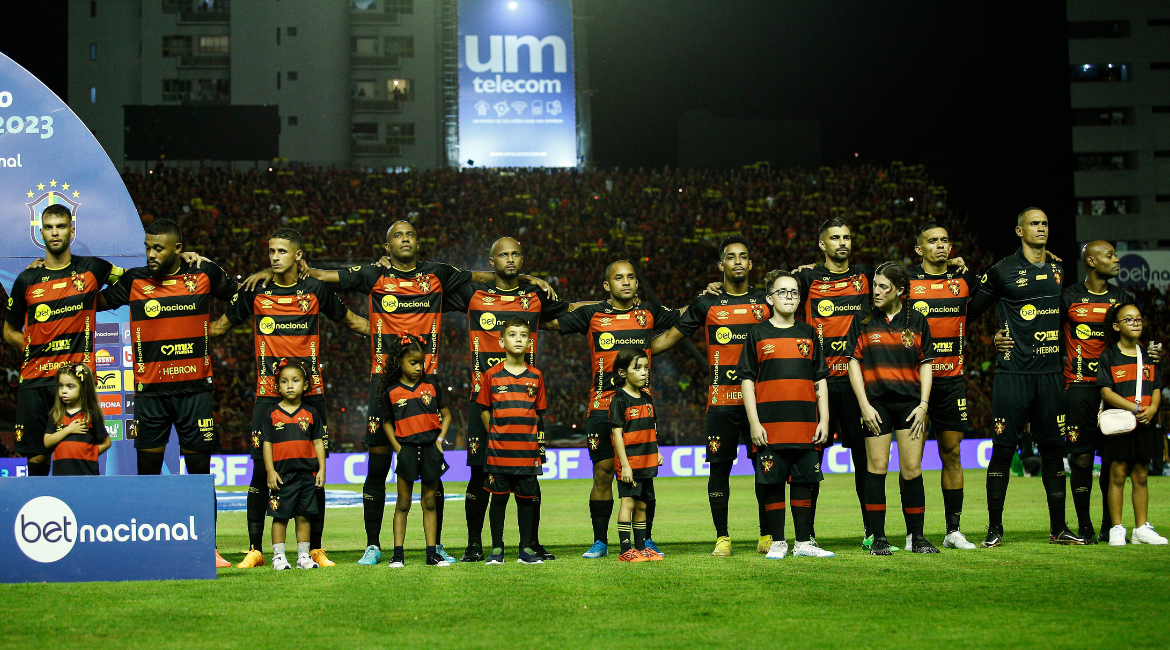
{"points": [[726, 319], [488, 306], [612, 325]]}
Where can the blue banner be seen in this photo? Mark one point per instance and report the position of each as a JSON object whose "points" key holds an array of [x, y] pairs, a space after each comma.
{"points": [[92, 528], [517, 97]]}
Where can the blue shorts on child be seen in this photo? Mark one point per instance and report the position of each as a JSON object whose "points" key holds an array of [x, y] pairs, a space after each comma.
{"points": [[295, 497]]}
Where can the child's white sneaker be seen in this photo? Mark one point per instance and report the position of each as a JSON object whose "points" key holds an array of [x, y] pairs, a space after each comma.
{"points": [[778, 551], [305, 561], [280, 563], [1117, 535], [1145, 534]]}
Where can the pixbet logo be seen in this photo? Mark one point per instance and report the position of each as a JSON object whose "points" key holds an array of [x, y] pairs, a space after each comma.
{"points": [[46, 529]]}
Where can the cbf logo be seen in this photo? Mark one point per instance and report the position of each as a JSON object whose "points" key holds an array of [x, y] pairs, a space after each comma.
{"points": [[44, 200]]}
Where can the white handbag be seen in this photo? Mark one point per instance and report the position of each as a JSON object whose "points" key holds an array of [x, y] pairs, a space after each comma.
{"points": [[1114, 422]]}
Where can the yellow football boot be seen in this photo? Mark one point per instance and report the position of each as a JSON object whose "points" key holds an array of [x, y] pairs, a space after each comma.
{"points": [[320, 558], [722, 547], [252, 560]]}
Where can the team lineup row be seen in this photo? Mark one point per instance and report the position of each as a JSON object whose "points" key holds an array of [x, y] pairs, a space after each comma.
{"points": [[891, 343]]}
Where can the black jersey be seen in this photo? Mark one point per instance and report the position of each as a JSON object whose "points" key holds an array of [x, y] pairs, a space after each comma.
{"points": [[1027, 300]]}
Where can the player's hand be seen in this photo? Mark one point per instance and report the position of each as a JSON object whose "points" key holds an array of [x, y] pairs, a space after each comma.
{"points": [[394, 443], [37, 263], [803, 267], [545, 287], [75, 427], [303, 269], [713, 289], [759, 435], [917, 420], [871, 419], [958, 263], [259, 277], [194, 258], [1052, 256], [384, 262], [1147, 415], [661, 460], [822, 433], [628, 475], [274, 480], [1004, 342], [1155, 352], [439, 444], [320, 479]]}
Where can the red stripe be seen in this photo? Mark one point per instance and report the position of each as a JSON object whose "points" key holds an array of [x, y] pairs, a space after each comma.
{"points": [[776, 506], [293, 449], [75, 451], [802, 503], [510, 462], [914, 511], [875, 507]]}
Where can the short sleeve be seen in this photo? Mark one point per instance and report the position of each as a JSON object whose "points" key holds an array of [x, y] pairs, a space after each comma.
{"points": [[576, 321], [540, 405], [441, 401], [664, 317], [316, 432], [855, 344], [118, 294], [16, 306], [985, 296], [484, 397], [748, 367], [222, 286], [330, 305], [452, 278], [103, 270], [98, 434], [358, 278], [1105, 369], [551, 309], [240, 306], [617, 412], [266, 431], [820, 367], [694, 317], [385, 408], [926, 349], [458, 300]]}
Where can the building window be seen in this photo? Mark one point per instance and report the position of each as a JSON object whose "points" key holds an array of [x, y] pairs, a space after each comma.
{"points": [[365, 131], [400, 46], [397, 89], [92, 95], [292, 31], [1098, 206], [292, 120], [1102, 116], [93, 51], [176, 90], [214, 44], [176, 45], [363, 5], [400, 6], [365, 89], [292, 75], [1099, 29], [400, 133], [1098, 72], [1108, 161], [363, 46]]}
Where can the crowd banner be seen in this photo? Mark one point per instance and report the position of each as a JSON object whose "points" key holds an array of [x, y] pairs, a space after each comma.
{"points": [[115, 528]]}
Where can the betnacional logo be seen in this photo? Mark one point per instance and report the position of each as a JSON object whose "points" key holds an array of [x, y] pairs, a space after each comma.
{"points": [[389, 303], [488, 321], [922, 308], [825, 308]]}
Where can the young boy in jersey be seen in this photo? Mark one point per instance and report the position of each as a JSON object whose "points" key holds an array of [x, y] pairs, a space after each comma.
{"points": [[636, 456], [786, 395], [294, 458], [512, 395]]}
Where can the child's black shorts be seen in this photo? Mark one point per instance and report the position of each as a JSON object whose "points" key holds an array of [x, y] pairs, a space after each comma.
{"points": [[776, 466], [420, 463], [296, 496], [523, 486], [642, 489]]}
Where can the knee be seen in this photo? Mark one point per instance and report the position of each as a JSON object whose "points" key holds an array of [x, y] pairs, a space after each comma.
{"points": [[403, 505], [428, 502], [952, 458], [1084, 461], [910, 472], [602, 476]]}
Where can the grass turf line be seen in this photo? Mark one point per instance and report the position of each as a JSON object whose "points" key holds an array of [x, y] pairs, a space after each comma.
{"points": [[1025, 592]]}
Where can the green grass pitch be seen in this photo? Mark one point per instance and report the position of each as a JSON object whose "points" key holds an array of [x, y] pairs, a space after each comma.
{"points": [[1024, 594]]}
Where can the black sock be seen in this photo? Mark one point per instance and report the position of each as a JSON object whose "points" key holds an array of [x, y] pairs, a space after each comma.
{"points": [[914, 505], [430, 551], [1081, 481], [718, 494], [860, 472], [440, 500], [499, 508], [802, 509], [599, 513], [475, 505], [374, 497], [150, 464], [399, 551], [998, 471], [524, 509], [953, 508], [650, 506], [42, 469], [774, 506], [814, 494], [317, 521], [536, 517], [639, 535], [1052, 460], [1103, 483], [875, 503], [761, 513], [257, 506], [625, 535]]}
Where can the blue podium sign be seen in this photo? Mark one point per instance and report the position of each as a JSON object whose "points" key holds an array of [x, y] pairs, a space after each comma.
{"points": [[112, 528]]}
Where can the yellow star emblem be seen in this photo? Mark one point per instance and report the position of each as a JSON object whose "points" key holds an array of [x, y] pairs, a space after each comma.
{"points": [[75, 196], [65, 186], [40, 186], [30, 194], [53, 183]]}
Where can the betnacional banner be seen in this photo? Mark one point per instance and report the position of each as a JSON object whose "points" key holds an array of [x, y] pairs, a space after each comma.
{"points": [[98, 528], [48, 157], [1141, 269], [517, 105]]}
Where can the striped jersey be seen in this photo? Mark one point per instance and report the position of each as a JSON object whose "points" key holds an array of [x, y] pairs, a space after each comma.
{"points": [[726, 320], [404, 301], [785, 363], [943, 300], [488, 308], [77, 454], [56, 308], [1083, 334], [286, 326], [831, 300], [1027, 301], [292, 436], [169, 321], [611, 330], [890, 351], [516, 403], [635, 417], [1118, 371], [414, 410]]}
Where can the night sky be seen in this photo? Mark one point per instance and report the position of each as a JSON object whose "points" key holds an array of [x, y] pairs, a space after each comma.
{"points": [[978, 92]]}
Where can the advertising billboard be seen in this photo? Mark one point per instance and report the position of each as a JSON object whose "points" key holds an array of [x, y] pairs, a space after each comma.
{"points": [[1141, 269], [517, 104]]}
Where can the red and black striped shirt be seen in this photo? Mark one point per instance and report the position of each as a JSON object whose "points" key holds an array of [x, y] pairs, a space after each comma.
{"points": [[1083, 331], [169, 322], [890, 352], [286, 326], [488, 308], [1118, 371], [726, 319], [404, 301], [635, 417], [943, 300], [77, 454], [831, 300], [292, 436], [785, 364], [610, 331], [414, 410], [56, 308], [516, 403]]}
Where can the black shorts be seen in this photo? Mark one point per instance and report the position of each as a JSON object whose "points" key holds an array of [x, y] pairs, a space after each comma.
{"points": [[296, 496], [264, 404], [1018, 399], [192, 415], [1081, 404], [476, 435], [727, 428], [778, 465], [524, 486], [420, 463], [375, 434], [32, 419], [893, 412], [642, 489], [845, 415], [948, 407], [600, 436]]}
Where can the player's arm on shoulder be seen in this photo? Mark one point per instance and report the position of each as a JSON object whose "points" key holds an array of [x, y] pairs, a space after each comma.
{"points": [[540, 284], [666, 340], [985, 296]]}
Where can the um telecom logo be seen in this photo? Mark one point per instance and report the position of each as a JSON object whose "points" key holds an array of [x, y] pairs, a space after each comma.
{"points": [[47, 529]]}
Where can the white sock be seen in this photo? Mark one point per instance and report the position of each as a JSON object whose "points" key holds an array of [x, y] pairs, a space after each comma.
{"points": [[302, 548], [278, 549]]}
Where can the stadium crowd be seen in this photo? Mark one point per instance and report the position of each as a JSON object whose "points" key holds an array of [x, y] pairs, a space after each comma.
{"points": [[571, 224]]}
